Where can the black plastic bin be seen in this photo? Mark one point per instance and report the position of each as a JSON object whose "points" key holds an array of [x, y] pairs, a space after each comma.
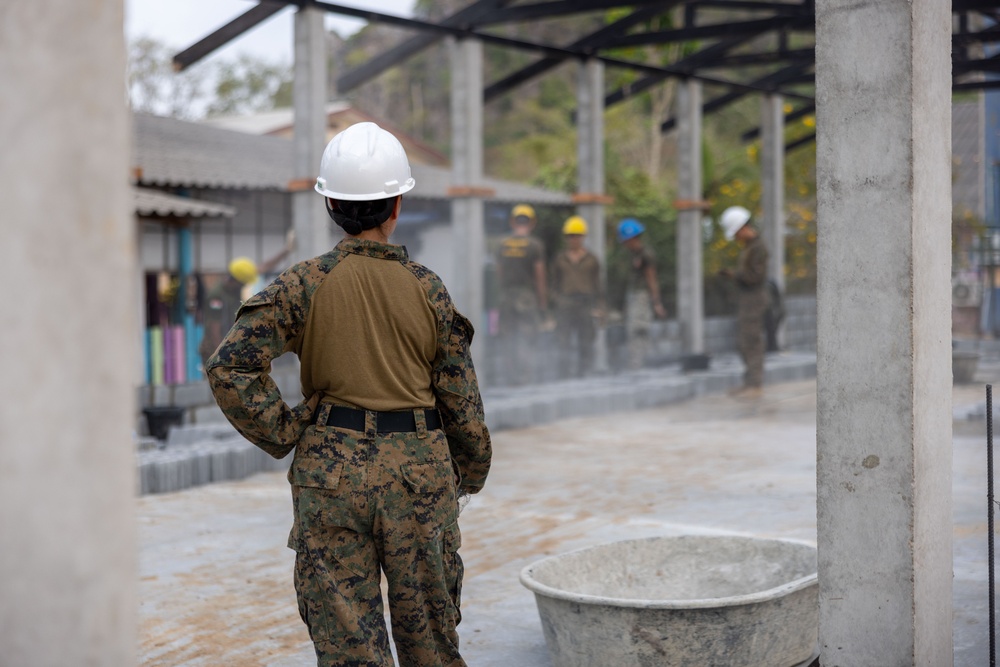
{"points": [[160, 419]]}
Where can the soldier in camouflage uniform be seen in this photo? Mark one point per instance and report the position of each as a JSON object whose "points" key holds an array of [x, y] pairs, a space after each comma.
{"points": [[642, 292], [391, 430], [751, 281], [523, 295], [576, 288], [221, 304]]}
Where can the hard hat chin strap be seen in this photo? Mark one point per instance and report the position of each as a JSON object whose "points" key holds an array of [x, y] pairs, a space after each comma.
{"points": [[356, 216]]}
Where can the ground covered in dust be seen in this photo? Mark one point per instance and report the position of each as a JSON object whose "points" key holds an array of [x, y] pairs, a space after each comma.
{"points": [[216, 583]]}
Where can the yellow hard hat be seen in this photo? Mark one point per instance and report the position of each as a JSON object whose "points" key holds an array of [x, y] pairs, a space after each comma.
{"points": [[575, 225], [523, 210], [243, 269]]}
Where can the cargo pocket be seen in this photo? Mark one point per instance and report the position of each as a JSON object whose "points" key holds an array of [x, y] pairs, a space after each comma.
{"points": [[454, 569], [317, 503], [315, 473], [310, 585], [432, 493]]}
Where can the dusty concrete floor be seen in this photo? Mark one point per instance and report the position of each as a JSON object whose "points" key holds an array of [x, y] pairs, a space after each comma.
{"points": [[216, 579]]}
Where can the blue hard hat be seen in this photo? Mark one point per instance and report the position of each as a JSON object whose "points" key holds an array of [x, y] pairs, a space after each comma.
{"points": [[629, 228]]}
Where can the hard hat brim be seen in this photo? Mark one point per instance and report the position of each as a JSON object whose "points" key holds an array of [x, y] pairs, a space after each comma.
{"points": [[368, 196]]}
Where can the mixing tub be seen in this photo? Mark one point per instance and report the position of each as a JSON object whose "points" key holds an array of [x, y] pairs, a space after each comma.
{"points": [[686, 601]]}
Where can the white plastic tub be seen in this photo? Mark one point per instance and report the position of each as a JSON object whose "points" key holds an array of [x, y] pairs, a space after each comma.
{"points": [[688, 600]]}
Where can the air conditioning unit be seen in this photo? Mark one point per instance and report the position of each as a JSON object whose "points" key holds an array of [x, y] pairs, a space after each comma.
{"points": [[966, 292]]}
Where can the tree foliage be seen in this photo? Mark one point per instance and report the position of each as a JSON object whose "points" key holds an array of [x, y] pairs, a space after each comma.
{"points": [[154, 86], [249, 85], [221, 86], [530, 136]]}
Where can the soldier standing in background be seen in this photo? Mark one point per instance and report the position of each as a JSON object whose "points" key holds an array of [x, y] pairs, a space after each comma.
{"points": [[391, 431], [523, 295], [751, 281], [576, 290], [221, 304], [642, 292], [223, 300]]}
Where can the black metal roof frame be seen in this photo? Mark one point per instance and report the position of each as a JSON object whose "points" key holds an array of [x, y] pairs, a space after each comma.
{"points": [[730, 45]]}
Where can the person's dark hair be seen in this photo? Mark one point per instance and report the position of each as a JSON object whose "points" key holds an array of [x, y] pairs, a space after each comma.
{"points": [[357, 216]]}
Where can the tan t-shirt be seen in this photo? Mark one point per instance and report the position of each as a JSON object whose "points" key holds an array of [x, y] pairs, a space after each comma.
{"points": [[517, 258], [571, 278], [370, 337]]}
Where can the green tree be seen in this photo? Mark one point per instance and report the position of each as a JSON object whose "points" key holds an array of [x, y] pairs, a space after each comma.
{"points": [[250, 85], [221, 86], [154, 86]]}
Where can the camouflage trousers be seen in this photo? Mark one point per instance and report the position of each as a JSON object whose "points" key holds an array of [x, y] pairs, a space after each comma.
{"points": [[520, 318], [367, 503], [750, 334], [575, 333], [638, 323]]}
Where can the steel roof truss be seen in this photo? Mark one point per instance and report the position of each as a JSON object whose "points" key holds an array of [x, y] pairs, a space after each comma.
{"points": [[588, 42]]}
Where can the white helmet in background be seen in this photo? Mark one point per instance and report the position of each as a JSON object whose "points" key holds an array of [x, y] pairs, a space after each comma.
{"points": [[732, 220], [364, 163]]}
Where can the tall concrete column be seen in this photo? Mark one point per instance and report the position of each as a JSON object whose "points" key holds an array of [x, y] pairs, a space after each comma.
{"points": [[590, 179], [309, 217], [883, 84], [67, 406], [690, 284], [467, 217], [772, 181]]}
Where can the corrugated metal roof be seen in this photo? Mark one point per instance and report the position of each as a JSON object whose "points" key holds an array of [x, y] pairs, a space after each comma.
{"points": [[266, 122], [152, 203], [339, 116], [171, 152]]}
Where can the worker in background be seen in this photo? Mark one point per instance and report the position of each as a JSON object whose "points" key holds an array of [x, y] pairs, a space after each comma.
{"points": [[242, 281], [642, 292], [523, 295], [753, 298], [391, 431], [576, 290], [222, 302]]}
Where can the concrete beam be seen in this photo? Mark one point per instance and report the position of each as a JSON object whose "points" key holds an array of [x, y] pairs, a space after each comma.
{"points": [[772, 176], [690, 285], [772, 186], [468, 226], [67, 484], [884, 356], [590, 170], [309, 218]]}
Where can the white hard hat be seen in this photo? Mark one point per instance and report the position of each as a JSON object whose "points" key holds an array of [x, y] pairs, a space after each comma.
{"points": [[363, 163], [732, 220]]}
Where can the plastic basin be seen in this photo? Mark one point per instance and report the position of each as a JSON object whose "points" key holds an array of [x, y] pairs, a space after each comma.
{"points": [[688, 600]]}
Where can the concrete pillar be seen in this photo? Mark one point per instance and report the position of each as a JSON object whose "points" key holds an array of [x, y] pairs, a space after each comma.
{"points": [[590, 180], [883, 84], [690, 285], [309, 218], [467, 217], [67, 406], [772, 182]]}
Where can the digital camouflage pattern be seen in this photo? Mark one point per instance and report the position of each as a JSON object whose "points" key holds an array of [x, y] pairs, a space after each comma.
{"points": [[751, 277], [364, 501]]}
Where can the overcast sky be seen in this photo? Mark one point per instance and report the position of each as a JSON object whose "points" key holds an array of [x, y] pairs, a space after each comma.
{"points": [[181, 23]]}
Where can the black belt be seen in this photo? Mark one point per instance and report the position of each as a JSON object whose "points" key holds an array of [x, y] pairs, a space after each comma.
{"points": [[385, 422]]}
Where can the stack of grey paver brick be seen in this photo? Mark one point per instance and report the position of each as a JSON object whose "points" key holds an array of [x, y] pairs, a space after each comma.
{"points": [[197, 455], [214, 452]]}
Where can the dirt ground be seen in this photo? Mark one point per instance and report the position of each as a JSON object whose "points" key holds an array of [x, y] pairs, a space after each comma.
{"points": [[216, 584]]}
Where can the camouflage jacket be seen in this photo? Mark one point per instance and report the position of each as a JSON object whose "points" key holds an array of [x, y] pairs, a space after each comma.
{"points": [[268, 324], [751, 273]]}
